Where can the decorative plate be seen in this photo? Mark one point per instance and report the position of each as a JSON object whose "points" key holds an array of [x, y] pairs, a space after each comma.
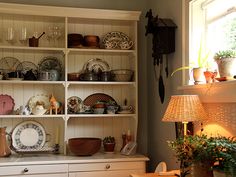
{"points": [[28, 135], [74, 104], [6, 104], [117, 40], [39, 99], [9, 64], [27, 66], [96, 65], [92, 99], [50, 63]]}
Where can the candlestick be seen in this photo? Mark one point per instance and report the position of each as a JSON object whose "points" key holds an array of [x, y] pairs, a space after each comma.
{"points": [[57, 136]]}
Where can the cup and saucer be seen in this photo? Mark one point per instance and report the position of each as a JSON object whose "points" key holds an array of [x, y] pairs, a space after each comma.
{"points": [[125, 109]]}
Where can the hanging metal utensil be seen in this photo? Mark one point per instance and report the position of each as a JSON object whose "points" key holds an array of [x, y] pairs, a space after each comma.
{"points": [[161, 87]]}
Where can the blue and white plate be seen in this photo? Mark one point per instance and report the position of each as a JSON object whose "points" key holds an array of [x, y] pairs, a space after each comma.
{"points": [[28, 135]]}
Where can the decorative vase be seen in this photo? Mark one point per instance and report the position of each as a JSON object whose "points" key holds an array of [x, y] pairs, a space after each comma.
{"points": [[4, 148], [202, 170], [198, 75], [226, 67]]}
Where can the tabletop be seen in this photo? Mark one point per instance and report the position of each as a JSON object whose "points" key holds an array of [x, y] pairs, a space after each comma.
{"points": [[150, 175]]}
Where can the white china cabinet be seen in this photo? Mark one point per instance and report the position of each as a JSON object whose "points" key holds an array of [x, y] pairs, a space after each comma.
{"points": [[21, 22]]}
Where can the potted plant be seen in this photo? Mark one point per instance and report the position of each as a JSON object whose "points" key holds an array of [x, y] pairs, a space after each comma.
{"points": [[197, 68], [226, 157], [196, 153], [226, 61], [109, 144]]}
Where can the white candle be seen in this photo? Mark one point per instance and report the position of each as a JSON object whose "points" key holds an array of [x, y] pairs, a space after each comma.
{"points": [[57, 136], [128, 133]]}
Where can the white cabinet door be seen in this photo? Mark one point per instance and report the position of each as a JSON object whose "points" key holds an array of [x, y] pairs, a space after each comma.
{"points": [[40, 175], [119, 173], [34, 170]]}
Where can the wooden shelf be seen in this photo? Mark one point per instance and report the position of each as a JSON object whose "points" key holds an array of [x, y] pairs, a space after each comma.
{"points": [[99, 83], [33, 48], [32, 116], [31, 82]]}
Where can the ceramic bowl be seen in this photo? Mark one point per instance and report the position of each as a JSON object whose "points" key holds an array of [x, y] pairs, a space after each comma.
{"points": [[122, 75], [84, 146], [98, 110]]}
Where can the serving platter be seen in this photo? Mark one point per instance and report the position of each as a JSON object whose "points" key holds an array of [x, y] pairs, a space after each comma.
{"points": [[50, 63], [98, 97], [21, 139], [96, 65]]}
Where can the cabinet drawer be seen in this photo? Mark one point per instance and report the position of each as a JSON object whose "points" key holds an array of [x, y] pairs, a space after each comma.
{"points": [[33, 169], [106, 166]]}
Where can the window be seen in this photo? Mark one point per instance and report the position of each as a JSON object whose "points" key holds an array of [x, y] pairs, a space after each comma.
{"points": [[212, 23]]}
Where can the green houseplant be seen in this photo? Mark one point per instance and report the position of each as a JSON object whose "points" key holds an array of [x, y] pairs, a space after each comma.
{"points": [[226, 61], [109, 144], [201, 153], [226, 156], [197, 67]]}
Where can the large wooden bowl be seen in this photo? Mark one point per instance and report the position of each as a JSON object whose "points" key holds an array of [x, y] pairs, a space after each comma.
{"points": [[84, 146]]}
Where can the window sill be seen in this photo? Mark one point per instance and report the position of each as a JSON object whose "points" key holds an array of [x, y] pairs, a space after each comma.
{"points": [[212, 92]]}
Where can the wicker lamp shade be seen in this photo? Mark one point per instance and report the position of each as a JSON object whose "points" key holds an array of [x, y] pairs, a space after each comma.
{"points": [[184, 108]]}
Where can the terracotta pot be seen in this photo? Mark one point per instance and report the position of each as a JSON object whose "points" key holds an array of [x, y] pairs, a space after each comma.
{"points": [[227, 67], [202, 170], [198, 74], [109, 147]]}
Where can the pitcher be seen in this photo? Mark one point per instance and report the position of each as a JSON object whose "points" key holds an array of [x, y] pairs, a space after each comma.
{"points": [[4, 148]]}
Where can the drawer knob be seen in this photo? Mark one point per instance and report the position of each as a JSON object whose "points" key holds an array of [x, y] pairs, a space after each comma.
{"points": [[108, 166], [25, 170]]}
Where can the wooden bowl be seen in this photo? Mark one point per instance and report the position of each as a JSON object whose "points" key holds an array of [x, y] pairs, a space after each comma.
{"points": [[75, 40], [73, 76], [84, 146], [91, 41]]}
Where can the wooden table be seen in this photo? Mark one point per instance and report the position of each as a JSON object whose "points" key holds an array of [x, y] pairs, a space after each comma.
{"points": [[149, 175]]}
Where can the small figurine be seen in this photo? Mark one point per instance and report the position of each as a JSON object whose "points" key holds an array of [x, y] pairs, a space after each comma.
{"points": [[55, 106]]}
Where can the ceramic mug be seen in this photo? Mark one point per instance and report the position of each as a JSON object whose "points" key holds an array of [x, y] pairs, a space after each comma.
{"points": [[112, 109], [126, 108]]}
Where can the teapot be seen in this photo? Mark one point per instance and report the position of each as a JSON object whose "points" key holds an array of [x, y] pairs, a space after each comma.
{"points": [[4, 148], [34, 42], [29, 75]]}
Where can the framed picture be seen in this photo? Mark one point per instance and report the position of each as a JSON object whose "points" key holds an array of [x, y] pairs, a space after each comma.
{"points": [[179, 129]]}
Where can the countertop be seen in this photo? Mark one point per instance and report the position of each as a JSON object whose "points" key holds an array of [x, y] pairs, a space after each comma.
{"points": [[31, 159]]}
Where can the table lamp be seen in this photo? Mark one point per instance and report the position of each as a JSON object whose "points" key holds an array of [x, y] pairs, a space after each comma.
{"points": [[184, 108]]}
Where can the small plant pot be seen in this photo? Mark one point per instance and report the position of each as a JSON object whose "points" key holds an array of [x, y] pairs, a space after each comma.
{"points": [[109, 147]]}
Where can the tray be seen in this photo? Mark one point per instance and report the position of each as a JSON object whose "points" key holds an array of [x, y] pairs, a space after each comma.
{"points": [[6, 104], [92, 99], [21, 139]]}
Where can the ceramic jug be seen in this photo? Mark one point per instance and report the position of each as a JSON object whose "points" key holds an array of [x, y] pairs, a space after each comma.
{"points": [[4, 148]]}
